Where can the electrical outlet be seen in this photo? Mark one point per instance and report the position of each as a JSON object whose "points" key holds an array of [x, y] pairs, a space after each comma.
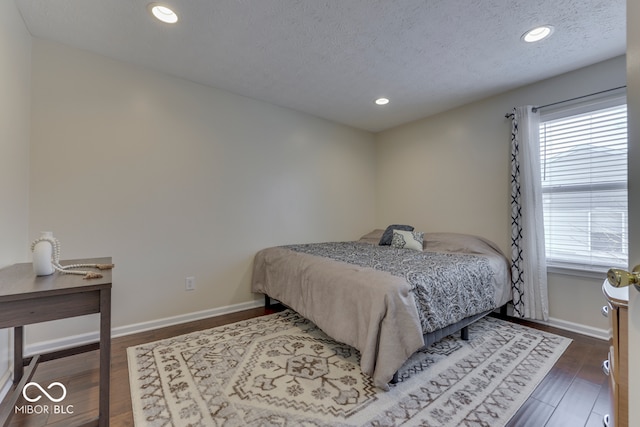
{"points": [[190, 283]]}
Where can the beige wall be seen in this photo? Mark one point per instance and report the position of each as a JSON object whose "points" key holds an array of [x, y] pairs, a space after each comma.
{"points": [[450, 172], [15, 73], [175, 179]]}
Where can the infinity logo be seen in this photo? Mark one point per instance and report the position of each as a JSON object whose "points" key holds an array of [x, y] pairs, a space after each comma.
{"points": [[53, 399]]}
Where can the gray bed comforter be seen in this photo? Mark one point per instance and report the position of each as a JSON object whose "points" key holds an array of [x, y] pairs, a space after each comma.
{"points": [[381, 300]]}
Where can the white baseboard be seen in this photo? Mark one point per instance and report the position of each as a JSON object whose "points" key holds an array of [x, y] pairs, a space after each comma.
{"points": [[91, 337], [81, 339], [590, 331]]}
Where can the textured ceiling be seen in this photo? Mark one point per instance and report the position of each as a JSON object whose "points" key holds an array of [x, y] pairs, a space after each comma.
{"points": [[332, 58]]}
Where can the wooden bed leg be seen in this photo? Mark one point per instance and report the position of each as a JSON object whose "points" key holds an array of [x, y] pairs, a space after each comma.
{"points": [[267, 301], [464, 333]]}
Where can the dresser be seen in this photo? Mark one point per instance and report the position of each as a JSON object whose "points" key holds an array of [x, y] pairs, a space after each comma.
{"points": [[616, 365]]}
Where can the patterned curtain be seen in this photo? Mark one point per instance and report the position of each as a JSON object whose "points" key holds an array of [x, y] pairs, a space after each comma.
{"points": [[528, 262]]}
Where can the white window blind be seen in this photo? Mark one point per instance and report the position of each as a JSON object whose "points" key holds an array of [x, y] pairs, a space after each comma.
{"points": [[583, 160]]}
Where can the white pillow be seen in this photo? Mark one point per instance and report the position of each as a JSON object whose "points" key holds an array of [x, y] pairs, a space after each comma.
{"points": [[407, 239]]}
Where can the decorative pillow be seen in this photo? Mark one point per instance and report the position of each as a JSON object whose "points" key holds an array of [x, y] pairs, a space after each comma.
{"points": [[385, 240], [407, 239]]}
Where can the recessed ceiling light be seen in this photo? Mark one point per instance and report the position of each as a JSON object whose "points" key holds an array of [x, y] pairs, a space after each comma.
{"points": [[537, 34], [163, 13], [381, 101]]}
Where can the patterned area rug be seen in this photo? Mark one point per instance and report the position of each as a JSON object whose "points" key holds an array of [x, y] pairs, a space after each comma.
{"points": [[281, 370]]}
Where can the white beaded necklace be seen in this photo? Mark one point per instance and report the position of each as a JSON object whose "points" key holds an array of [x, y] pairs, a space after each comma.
{"points": [[66, 269]]}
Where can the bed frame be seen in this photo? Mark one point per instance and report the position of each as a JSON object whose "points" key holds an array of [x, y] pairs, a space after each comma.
{"points": [[435, 336]]}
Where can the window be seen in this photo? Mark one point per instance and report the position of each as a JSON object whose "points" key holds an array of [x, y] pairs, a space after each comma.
{"points": [[583, 160]]}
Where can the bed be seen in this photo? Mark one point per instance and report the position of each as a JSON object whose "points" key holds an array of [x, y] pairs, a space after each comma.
{"points": [[386, 301]]}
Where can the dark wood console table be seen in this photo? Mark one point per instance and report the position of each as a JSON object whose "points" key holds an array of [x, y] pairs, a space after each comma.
{"points": [[26, 298]]}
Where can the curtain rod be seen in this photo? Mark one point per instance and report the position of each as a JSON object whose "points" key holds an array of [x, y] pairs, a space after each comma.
{"points": [[508, 115]]}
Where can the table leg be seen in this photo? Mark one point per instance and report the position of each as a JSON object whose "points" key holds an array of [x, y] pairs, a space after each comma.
{"points": [[105, 355], [18, 348]]}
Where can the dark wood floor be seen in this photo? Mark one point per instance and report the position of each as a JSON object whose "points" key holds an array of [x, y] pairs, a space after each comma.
{"points": [[575, 393]]}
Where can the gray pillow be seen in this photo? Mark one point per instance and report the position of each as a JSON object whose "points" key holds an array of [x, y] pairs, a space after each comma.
{"points": [[387, 236]]}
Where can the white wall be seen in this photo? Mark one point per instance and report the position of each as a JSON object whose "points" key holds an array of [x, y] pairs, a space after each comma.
{"points": [[450, 172], [15, 73], [15, 81], [175, 179]]}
